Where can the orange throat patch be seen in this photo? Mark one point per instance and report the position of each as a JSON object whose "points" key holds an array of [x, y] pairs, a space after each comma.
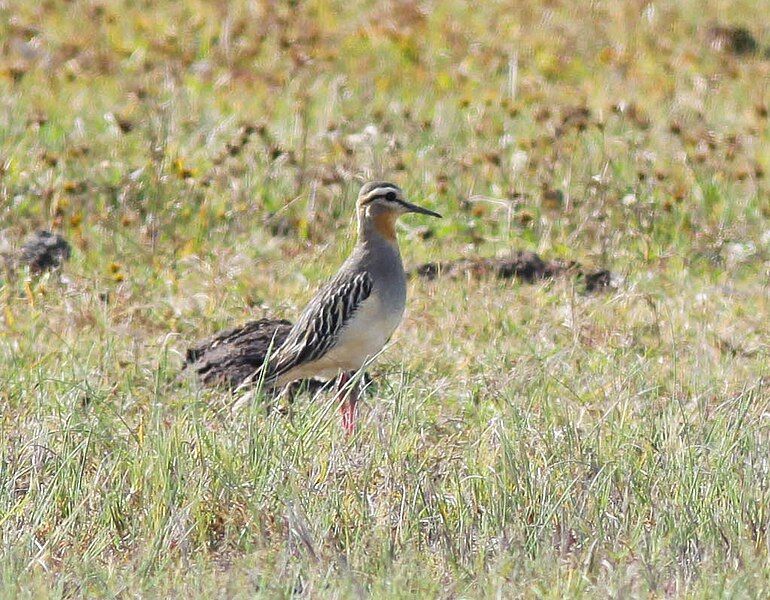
{"points": [[385, 224]]}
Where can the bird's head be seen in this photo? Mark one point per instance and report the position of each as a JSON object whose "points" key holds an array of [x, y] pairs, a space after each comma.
{"points": [[380, 204]]}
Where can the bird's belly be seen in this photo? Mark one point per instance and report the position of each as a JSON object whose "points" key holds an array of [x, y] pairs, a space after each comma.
{"points": [[367, 333]]}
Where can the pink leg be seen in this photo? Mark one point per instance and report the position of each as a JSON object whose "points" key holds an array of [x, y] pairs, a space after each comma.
{"points": [[348, 405]]}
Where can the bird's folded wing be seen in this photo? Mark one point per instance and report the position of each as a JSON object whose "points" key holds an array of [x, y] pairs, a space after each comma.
{"points": [[319, 326]]}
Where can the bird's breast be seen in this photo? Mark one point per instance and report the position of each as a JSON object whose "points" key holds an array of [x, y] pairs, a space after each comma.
{"points": [[367, 332]]}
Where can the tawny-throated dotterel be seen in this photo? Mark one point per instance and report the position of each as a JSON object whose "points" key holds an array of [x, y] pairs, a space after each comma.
{"points": [[351, 318]]}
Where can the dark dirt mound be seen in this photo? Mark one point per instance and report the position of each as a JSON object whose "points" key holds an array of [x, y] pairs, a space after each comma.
{"points": [[524, 265], [44, 250], [597, 280], [732, 39]]}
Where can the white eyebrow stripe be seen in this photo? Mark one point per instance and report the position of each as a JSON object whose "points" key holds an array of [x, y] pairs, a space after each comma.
{"points": [[381, 191]]}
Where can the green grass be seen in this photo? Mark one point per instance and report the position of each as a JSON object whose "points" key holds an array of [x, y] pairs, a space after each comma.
{"points": [[521, 440]]}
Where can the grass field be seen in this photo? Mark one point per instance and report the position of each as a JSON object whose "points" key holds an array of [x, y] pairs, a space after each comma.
{"points": [[521, 440]]}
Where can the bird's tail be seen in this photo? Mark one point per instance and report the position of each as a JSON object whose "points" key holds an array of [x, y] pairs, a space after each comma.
{"points": [[265, 377]]}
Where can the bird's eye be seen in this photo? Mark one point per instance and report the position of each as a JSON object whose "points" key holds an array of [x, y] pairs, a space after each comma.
{"points": [[390, 196]]}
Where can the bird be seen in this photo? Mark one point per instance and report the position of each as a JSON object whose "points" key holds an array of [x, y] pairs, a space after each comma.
{"points": [[350, 319]]}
